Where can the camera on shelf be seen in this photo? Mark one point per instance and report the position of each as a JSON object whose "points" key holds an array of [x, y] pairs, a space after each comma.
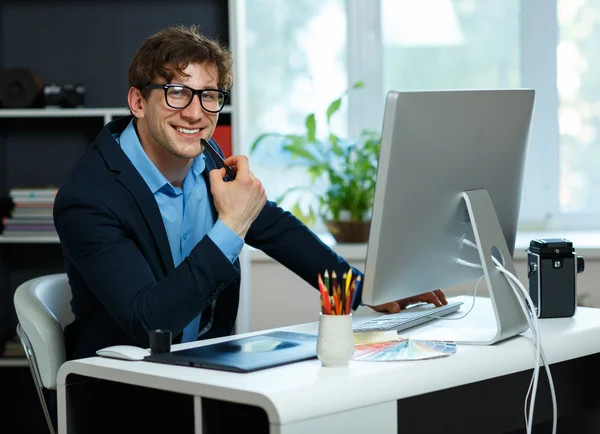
{"points": [[553, 266], [65, 96]]}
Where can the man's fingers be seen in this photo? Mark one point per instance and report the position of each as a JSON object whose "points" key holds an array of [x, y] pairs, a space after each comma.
{"points": [[391, 307], [216, 174], [441, 296], [434, 299], [238, 160], [404, 303], [240, 165], [428, 297]]}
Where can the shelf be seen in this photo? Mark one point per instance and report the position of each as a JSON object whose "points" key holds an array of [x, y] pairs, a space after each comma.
{"points": [[52, 112], [46, 239], [13, 362]]}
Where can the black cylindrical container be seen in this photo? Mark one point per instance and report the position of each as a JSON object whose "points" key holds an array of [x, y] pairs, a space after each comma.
{"points": [[160, 341]]}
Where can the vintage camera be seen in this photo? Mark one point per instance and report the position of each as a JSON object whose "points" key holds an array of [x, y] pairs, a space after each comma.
{"points": [[552, 268], [65, 96]]}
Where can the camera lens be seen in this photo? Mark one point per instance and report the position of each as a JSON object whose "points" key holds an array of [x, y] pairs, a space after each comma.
{"points": [[580, 264]]}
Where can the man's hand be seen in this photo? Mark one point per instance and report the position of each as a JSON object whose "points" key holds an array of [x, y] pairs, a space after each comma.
{"points": [[436, 297], [238, 202]]}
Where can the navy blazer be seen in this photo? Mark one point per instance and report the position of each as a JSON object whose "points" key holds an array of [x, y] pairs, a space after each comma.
{"points": [[119, 263]]}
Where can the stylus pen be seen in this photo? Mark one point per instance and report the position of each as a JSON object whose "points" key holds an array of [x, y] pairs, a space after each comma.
{"points": [[218, 159]]}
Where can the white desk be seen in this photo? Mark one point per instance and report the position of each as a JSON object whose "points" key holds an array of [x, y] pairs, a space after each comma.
{"points": [[363, 397]]}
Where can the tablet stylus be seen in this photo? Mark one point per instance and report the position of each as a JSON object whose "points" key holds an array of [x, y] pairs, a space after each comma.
{"points": [[218, 159]]}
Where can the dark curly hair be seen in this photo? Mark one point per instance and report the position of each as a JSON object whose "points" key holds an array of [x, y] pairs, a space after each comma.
{"points": [[171, 50]]}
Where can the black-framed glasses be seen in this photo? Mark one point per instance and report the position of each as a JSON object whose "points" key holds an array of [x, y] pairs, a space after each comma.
{"points": [[179, 96]]}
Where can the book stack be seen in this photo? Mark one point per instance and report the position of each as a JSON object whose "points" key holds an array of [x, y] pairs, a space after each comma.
{"points": [[32, 213]]}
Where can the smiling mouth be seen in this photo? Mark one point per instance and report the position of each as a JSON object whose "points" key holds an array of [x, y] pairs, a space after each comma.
{"points": [[188, 131]]}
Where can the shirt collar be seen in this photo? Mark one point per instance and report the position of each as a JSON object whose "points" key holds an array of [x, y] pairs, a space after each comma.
{"points": [[130, 143]]}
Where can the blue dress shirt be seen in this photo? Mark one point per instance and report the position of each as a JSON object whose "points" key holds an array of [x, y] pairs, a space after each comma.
{"points": [[186, 211]]}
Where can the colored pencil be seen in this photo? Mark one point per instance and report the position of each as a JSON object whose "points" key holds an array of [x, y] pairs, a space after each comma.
{"points": [[349, 298], [356, 289], [333, 282], [343, 290], [348, 280], [325, 295]]}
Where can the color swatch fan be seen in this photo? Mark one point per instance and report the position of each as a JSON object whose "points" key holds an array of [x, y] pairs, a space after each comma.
{"points": [[403, 349]]}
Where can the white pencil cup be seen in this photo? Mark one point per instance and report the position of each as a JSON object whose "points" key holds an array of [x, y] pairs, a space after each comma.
{"points": [[335, 342]]}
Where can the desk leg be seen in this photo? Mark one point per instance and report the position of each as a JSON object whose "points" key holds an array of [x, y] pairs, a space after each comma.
{"points": [[61, 404], [380, 419], [197, 415]]}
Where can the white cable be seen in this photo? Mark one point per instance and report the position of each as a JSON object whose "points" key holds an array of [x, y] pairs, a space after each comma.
{"points": [[534, 379], [469, 243], [467, 312], [534, 325], [532, 320], [544, 361], [468, 264], [536, 337], [528, 308]]}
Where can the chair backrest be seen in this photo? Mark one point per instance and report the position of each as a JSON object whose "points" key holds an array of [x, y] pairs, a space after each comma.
{"points": [[43, 310]]}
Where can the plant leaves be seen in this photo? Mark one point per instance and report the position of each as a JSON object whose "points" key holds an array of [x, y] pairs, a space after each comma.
{"points": [[306, 218], [342, 171], [333, 108], [311, 127], [298, 151], [335, 146], [358, 84]]}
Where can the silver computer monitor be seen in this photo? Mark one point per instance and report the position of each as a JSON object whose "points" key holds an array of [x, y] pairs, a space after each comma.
{"points": [[451, 168]]}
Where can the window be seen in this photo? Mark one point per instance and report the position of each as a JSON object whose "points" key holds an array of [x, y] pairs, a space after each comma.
{"points": [[465, 44], [579, 106], [309, 52], [295, 65]]}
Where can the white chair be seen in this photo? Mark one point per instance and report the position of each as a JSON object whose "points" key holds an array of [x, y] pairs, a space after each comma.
{"points": [[43, 310]]}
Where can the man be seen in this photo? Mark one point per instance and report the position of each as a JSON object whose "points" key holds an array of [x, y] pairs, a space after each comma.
{"points": [[151, 230]]}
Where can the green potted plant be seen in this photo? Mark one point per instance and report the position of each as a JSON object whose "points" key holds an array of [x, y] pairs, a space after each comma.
{"points": [[342, 174]]}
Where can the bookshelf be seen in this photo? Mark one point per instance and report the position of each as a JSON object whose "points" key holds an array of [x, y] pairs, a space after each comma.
{"points": [[70, 41]]}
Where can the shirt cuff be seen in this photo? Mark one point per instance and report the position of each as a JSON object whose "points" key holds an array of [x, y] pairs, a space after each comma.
{"points": [[225, 239]]}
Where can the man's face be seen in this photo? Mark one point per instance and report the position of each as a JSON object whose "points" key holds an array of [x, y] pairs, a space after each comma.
{"points": [[178, 131]]}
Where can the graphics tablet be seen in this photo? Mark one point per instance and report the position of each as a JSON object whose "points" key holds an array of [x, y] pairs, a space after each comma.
{"points": [[245, 354]]}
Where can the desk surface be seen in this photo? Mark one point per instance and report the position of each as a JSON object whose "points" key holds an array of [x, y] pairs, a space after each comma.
{"points": [[329, 390]]}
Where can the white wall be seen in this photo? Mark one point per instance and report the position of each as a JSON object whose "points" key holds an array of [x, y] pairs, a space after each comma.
{"points": [[279, 298]]}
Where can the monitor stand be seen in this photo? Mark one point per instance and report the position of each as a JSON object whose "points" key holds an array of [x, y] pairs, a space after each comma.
{"points": [[509, 319]]}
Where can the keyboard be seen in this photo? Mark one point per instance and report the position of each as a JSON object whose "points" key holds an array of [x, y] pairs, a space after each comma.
{"points": [[406, 318]]}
